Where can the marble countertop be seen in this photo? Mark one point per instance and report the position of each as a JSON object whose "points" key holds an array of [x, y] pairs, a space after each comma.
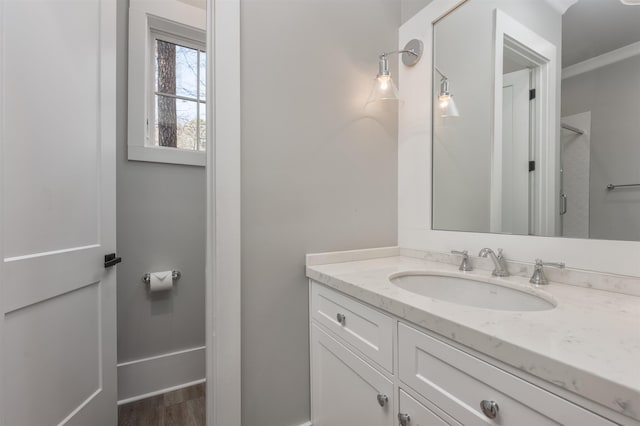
{"points": [[588, 344]]}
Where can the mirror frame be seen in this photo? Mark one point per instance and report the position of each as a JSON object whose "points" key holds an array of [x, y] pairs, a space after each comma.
{"points": [[415, 180]]}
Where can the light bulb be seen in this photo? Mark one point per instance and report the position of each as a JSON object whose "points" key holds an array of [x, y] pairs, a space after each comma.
{"points": [[384, 82], [383, 88], [447, 106]]}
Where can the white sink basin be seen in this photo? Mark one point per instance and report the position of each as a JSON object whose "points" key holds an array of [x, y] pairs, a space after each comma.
{"points": [[470, 292]]}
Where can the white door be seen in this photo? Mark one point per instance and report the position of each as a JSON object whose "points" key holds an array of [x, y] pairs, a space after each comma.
{"points": [[57, 195], [515, 153], [345, 390]]}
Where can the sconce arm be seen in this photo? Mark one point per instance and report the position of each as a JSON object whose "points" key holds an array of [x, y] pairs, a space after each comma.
{"points": [[411, 52], [444, 77]]}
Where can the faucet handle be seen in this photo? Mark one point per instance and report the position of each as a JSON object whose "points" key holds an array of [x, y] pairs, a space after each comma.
{"points": [[465, 265], [500, 256], [540, 264], [538, 277]]}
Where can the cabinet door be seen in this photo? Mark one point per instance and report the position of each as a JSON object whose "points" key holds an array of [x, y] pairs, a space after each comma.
{"points": [[345, 390], [460, 384], [412, 413], [368, 330]]}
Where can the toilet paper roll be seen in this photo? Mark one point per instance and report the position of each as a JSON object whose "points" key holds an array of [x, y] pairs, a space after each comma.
{"points": [[160, 281]]}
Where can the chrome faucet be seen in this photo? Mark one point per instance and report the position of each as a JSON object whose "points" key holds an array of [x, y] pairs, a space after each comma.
{"points": [[465, 265], [538, 277], [500, 265]]}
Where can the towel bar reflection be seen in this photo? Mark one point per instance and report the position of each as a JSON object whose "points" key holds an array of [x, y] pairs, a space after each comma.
{"points": [[611, 186], [572, 128], [175, 274]]}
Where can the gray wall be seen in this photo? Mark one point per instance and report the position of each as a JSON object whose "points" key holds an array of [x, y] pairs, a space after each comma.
{"points": [[161, 211], [318, 174], [611, 94], [462, 146], [408, 8]]}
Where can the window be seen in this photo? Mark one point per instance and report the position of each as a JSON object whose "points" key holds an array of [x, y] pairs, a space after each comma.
{"points": [[167, 83], [179, 93]]}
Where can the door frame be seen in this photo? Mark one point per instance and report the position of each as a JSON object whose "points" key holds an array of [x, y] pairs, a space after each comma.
{"points": [[511, 34], [223, 215], [223, 268], [2, 141]]}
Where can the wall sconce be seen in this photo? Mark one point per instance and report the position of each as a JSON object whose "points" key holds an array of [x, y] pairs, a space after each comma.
{"points": [[445, 98], [384, 89]]}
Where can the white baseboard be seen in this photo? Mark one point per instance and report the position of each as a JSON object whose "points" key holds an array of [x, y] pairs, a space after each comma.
{"points": [[155, 375], [306, 424], [160, 392]]}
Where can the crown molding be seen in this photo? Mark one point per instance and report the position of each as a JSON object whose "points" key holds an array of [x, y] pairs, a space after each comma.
{"points": [[561, 6], [603, 60]]}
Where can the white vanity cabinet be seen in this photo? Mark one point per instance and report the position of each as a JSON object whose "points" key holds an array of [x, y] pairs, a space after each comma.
{"points": [[365, 364], [413, 413], [367, 330], [460, 384], [345, 389]]}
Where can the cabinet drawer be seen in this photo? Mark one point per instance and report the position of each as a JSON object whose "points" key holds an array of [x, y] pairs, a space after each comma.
{"points": [[366, 329], [419, 415], [458, 383], [346, 390]]}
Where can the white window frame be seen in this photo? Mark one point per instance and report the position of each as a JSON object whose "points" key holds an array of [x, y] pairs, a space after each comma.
{"points": [[146, 20], [156, 34]]}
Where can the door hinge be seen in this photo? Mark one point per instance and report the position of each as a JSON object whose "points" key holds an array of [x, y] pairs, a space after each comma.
{"points": [[532, 166], [532, 94]]}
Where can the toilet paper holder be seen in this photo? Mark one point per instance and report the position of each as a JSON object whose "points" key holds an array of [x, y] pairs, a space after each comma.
{"points": [[175, 274]]}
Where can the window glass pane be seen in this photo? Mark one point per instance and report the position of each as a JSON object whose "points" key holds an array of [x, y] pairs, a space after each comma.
{"points": [[176, 69], [186, 72], [175, 123], [165, 65], [165, 124], [203, 76], [187, 125], [202, 131], [155, 66], [180, 86]]}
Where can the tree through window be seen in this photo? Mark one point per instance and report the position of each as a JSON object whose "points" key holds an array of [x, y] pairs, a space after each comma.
{"points": [[179, 94]]}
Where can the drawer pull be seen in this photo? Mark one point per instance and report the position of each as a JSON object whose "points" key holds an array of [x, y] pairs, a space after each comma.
{"points": [[341, 319], [404, 419], [490, 408], [382, 399]]}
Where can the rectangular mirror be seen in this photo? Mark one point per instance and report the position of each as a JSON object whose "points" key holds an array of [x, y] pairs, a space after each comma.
{"points": [[536, 119]]}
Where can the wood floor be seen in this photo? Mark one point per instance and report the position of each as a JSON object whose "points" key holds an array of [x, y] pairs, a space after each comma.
{"points": [[183, 407]]}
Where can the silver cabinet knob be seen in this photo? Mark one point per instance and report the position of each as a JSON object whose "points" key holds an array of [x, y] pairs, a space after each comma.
{"points": [[490, 408], [382, 399], [341, 319], [404, 419]]}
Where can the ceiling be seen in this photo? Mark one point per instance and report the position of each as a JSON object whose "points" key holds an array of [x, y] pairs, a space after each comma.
{"points": [[593, 27]]}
